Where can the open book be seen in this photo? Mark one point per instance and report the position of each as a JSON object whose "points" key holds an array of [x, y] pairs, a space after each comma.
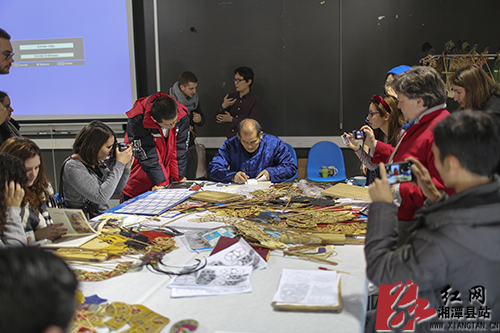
{"points": [[79, 229]]}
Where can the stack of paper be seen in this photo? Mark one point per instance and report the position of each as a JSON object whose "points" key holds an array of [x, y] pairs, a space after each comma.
{"points": [[227, 272], [307, 290]]}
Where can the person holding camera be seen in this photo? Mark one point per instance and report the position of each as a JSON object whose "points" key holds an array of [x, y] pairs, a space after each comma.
{"points": [[456, 242], [422, 95], [92, 175], [383, 114]]}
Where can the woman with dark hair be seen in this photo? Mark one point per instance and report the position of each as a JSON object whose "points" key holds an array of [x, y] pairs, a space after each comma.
{"points": [[87, 176], [475, 90], [12, 181], [383, 114], [8, 126], [38, 192]]}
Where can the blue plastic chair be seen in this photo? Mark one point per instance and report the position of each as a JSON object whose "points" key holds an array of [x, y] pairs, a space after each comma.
{"points": [[325, 153], [294, 155]]}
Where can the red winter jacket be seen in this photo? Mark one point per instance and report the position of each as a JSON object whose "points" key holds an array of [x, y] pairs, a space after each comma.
{"points": [[158, 161], [417, 143]]}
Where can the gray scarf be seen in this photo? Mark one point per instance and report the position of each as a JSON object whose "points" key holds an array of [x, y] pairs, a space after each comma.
{"points": [[191, 103], [12, 129]]}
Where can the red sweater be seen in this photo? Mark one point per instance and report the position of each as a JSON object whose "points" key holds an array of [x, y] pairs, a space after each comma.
{"points": [[417, 143]]}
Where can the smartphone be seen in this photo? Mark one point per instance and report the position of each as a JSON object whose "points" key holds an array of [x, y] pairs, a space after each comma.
{"points": [[399, 172], [358, 135], [345, 139]]}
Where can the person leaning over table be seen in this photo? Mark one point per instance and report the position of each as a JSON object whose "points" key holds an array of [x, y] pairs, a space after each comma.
{"points": [[39, 194], [422, 95], [12, 182], [252, 154], [455, 240], [158, 126], [86, 176]]}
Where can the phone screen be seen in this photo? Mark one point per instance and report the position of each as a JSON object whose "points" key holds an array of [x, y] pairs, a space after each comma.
{"points": [[399, 172]]}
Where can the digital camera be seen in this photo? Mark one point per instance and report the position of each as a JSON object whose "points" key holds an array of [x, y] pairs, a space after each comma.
{"points": [[358, 135]]}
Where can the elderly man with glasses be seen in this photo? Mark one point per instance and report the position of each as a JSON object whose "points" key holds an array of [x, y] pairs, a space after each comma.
{"points": [[6, 57]]}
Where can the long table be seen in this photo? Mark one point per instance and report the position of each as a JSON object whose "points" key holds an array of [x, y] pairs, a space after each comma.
{"points": [[250, 312]]}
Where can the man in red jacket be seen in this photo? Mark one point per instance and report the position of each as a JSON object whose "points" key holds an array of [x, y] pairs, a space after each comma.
{"points": [[422, 95], [158, 126]]}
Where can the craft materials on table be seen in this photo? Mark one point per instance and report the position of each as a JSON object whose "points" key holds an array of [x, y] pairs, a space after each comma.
{"points": [[308, 290], [116, 316], [152, 202], [227, 272]]}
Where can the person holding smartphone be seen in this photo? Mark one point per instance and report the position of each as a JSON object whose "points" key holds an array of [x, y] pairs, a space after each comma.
{"points": [[455, 245], [422, 94]]}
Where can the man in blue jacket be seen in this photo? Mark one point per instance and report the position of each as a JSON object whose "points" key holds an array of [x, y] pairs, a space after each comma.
{"points": [[252, 154]]}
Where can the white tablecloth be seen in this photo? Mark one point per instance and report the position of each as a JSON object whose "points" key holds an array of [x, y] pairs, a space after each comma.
{"points": [[243, 312]]}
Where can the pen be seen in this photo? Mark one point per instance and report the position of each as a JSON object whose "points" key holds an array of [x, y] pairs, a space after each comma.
{"points": [[336, 270]]}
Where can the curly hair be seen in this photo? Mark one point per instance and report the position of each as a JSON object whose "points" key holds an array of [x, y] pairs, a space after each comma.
{"points": [[421, 82], [11, 169], [24, 148]]}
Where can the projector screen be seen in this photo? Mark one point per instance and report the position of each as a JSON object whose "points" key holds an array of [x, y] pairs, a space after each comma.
{"points": [[73, 59]]}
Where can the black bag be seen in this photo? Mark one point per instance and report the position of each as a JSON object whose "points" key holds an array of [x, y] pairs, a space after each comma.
{"points": [[88, 209]]}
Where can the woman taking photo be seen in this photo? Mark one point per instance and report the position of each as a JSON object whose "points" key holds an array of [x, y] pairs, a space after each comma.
{"points": [[383, 114], [475, 90], [87, 179], [38, 191], [422, 95]]}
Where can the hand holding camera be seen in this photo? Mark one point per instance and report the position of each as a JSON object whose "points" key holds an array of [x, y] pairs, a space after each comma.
{"points": [[123, 153]]}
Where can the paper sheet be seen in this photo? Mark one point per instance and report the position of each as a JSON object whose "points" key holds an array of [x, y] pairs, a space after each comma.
{"points": [[308, 287], [214, 277], [238, 254]]}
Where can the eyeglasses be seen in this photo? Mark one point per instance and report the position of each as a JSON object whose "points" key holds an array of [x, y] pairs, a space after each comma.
{"points": [[8, 54], [238, 80]]}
